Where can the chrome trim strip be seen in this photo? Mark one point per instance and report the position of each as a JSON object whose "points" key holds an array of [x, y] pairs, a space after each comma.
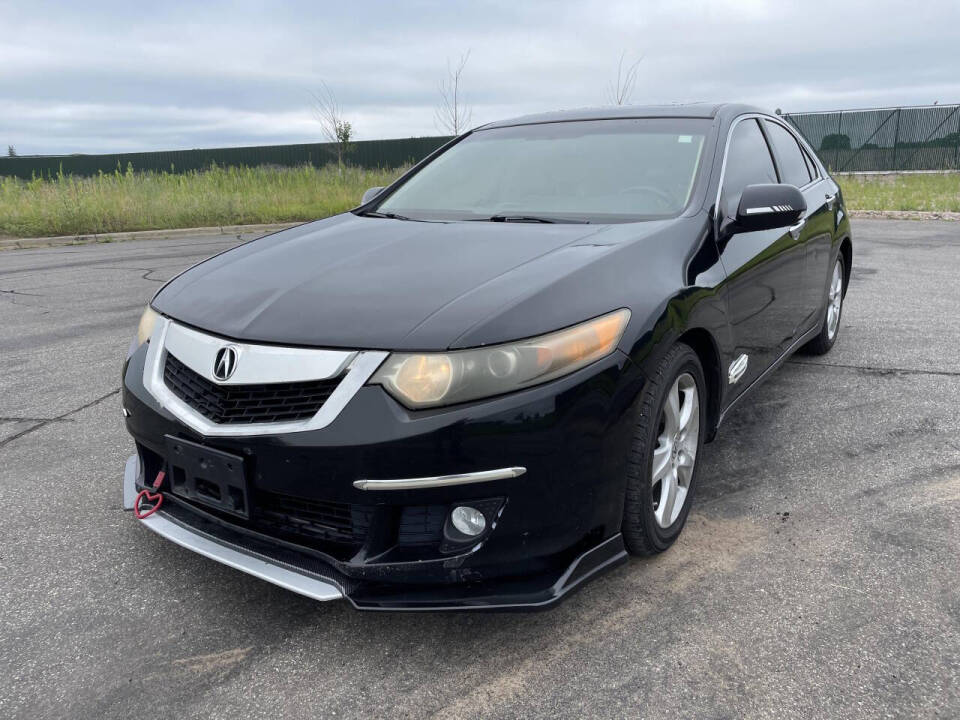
{"points": [[360, 366], [256, 364], [288, 579], [440, 480]]}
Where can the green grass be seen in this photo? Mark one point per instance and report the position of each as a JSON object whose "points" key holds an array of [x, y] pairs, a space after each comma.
{"points": [[128, 201], [936, 192]]}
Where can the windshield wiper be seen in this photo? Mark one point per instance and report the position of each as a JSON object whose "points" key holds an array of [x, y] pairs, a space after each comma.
{"points": [[374, 213], [532, 219]]}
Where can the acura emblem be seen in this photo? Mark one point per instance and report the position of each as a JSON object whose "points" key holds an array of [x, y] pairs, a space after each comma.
{"points": [[225, 362]]}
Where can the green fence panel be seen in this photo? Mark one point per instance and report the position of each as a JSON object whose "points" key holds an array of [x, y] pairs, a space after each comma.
{"points": [[877, 140], [363, 153], [894, 139]]}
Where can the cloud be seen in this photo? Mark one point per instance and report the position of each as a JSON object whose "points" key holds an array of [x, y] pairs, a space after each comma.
{"points": [[105, 76]]}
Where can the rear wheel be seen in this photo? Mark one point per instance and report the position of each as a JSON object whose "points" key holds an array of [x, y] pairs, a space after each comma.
{"points": [[830, 326], [667, 441]]}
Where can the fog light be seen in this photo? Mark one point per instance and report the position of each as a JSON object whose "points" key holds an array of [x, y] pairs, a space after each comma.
{"points": [[468, 520]]}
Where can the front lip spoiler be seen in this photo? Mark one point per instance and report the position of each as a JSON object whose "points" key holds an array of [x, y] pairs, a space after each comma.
{"points": [[440, 480], [236, 558], [272, 573], [518, 595]]}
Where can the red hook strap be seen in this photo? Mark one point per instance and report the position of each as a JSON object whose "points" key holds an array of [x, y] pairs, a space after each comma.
{"points": [[155, 498]]}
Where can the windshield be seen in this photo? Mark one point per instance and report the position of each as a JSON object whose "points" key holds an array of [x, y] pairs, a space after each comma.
{"points": [[590, 171]]}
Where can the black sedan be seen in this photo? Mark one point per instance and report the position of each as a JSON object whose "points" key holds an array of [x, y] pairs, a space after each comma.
{"points": [[493, 379]]}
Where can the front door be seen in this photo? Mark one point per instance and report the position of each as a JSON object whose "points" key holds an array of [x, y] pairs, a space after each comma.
{"points": [[765, 269], [816, 230]]}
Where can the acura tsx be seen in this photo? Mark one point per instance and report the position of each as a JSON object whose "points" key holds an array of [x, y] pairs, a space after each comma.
{"points": [[493, 379]]}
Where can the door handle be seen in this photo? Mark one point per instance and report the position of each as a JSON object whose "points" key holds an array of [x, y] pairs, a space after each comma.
{"points": [[831, 199], [795, 229]]}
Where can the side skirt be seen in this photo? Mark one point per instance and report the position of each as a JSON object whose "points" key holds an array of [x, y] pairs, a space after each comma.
{"points": [[797, 344]]}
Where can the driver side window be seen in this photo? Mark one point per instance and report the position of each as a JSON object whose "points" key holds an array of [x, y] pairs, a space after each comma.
{"points": [[748, 163]]}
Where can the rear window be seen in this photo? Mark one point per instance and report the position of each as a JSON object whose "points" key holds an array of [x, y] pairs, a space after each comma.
{"points": [[793, 166]]}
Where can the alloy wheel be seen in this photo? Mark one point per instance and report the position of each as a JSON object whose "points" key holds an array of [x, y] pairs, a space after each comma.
{"points": [[676, 451], [834, 300]]}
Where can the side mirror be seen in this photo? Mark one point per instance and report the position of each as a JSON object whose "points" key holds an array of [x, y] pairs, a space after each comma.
{"points": [[370, 195], [764, 207]]}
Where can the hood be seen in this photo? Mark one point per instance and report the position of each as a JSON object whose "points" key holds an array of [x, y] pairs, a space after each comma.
{"points": [[377, 283]]}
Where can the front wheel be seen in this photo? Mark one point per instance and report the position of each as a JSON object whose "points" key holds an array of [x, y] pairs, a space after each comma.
{"points": [[661, 474], [830, 326]]}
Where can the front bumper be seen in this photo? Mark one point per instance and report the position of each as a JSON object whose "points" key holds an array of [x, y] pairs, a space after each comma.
{"points": [[557, 526], [297, 575]]}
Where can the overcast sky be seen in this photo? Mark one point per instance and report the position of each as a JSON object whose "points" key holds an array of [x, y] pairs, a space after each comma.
{"points": [[88, 76]]}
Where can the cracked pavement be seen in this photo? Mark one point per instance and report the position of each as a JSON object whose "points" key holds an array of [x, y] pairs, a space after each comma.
{"points": [[818, 575]]}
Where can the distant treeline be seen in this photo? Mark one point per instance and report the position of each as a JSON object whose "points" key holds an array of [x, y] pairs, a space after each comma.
{"points": [[368, 154]]}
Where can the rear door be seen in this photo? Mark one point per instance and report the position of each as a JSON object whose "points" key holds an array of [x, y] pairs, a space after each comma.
{"points": [[764, 268], [816, 231]]}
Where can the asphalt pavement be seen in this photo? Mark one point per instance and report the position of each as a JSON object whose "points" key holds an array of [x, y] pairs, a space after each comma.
{"points": [[818, 575]]}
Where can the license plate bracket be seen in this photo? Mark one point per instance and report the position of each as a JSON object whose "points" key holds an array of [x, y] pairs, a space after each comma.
{"points": [[207, 476]]}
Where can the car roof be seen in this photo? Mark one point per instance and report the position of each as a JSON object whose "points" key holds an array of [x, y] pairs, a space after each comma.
{"points": [[690, 110]]}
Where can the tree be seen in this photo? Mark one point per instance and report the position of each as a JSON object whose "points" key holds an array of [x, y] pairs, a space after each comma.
{"points": [[453, 114], [948, 140], [619, 93], [11, 151], [835, 141], [327, 111]]}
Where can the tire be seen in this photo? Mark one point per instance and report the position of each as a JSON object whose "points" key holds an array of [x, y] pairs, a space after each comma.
{"points": [[830, 325], [649, 525]]}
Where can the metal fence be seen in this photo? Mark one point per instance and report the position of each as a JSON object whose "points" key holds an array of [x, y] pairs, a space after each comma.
{"points": [[894, 139], [365, 153], [881, 140]]}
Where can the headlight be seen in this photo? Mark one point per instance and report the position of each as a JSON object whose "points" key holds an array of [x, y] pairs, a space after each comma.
{"points": [[422, 380], [144, 329]]}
